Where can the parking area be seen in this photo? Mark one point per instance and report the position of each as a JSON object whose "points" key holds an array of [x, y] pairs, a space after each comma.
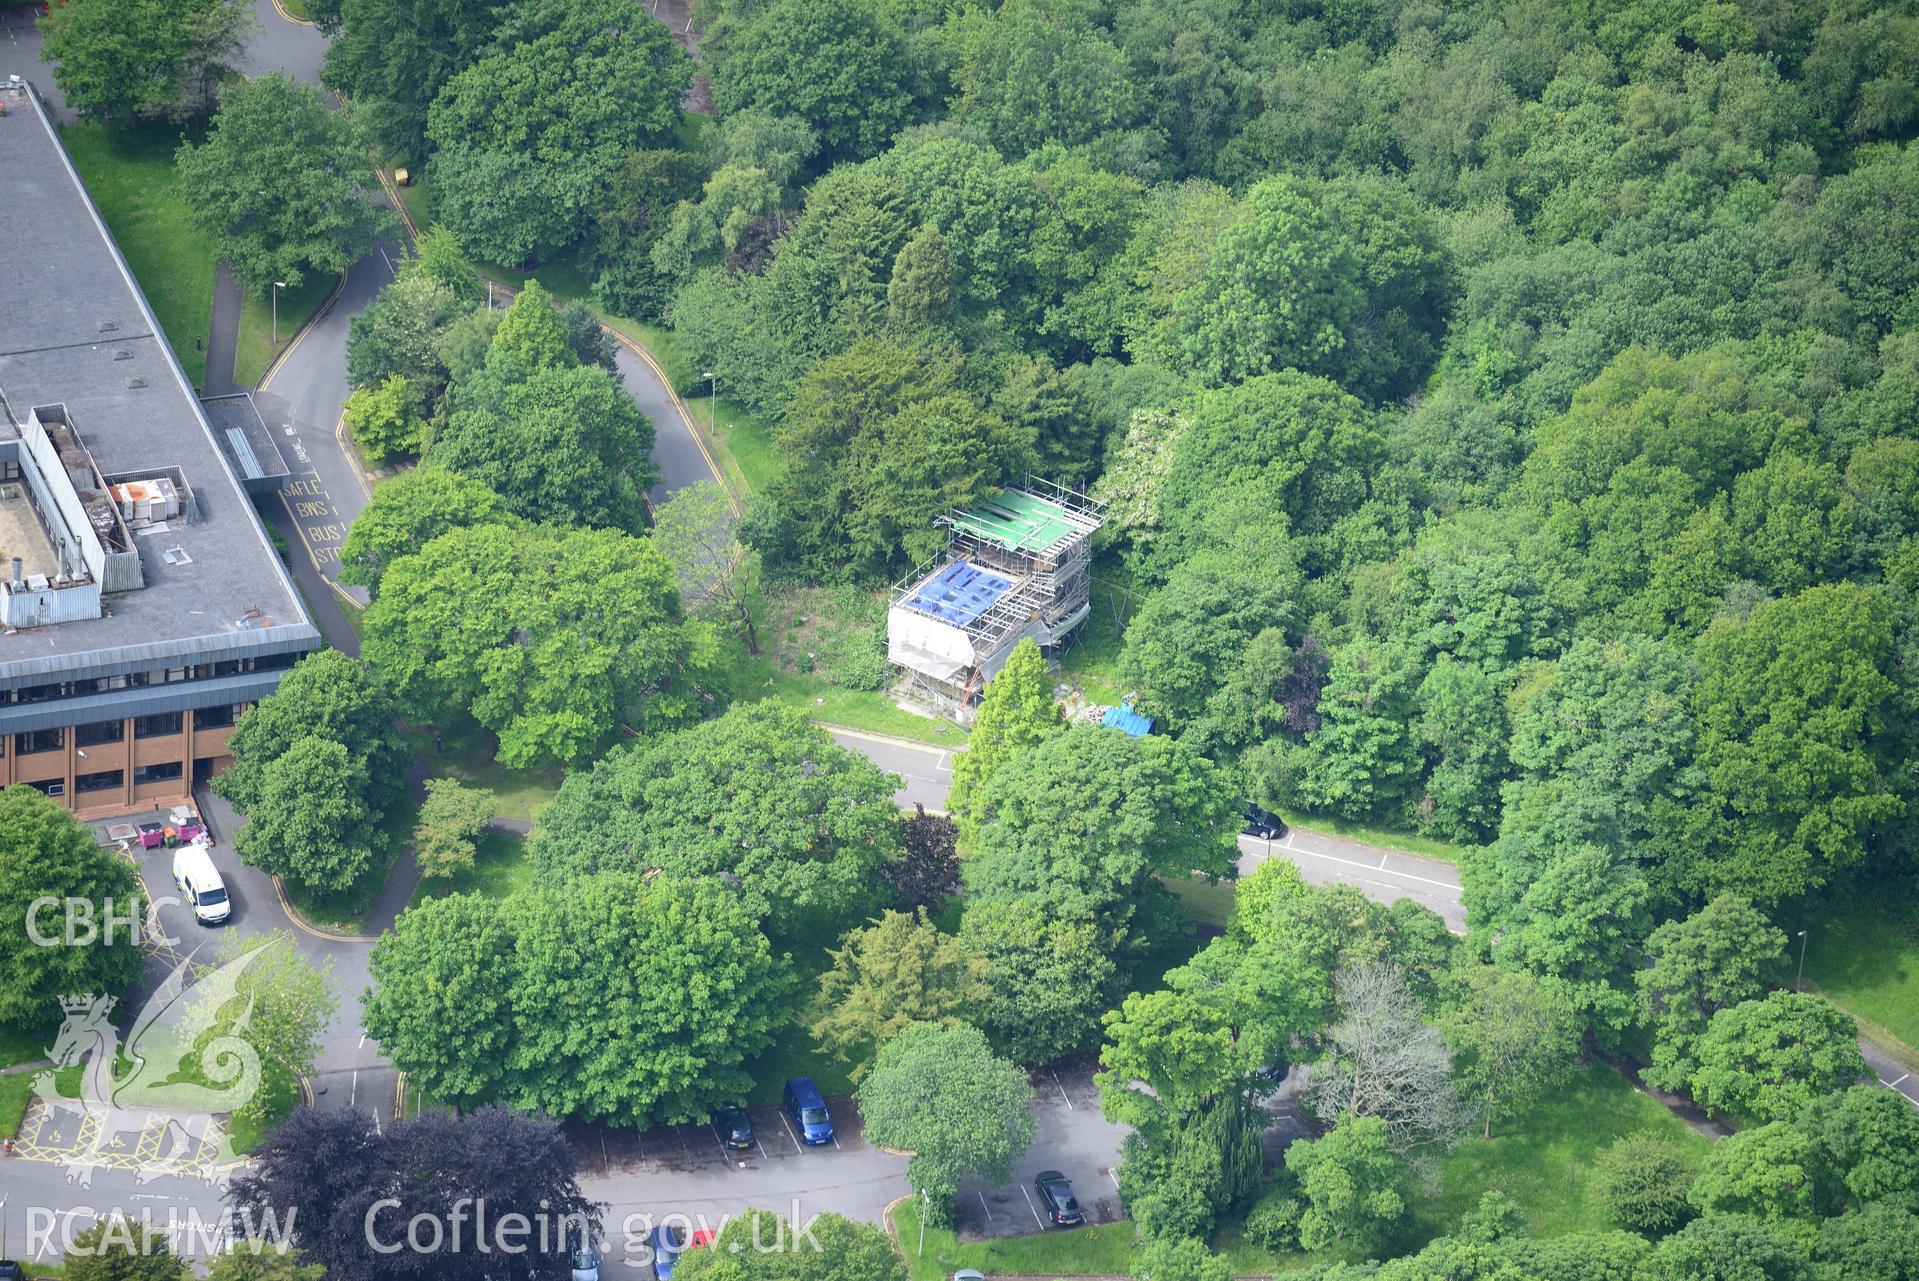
{"points": [[683, 1174], [151, 1144], [1071, 1137]]}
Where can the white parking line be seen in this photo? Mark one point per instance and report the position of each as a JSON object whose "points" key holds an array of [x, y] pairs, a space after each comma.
{"points": [[1029, 1205], [1893, 1085], [1062, 1090], [1330, 858], [985, 1207], [1112, 1176], [726, 1157], [789, 1130]]}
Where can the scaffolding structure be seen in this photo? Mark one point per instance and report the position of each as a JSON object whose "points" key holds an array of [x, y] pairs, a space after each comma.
{"points": [[1016, 566]]}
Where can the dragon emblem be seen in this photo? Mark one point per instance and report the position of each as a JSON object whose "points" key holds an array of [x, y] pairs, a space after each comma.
{"points": [[185, 1053]]}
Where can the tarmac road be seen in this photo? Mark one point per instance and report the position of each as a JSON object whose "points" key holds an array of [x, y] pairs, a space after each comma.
{"points": [[926, 773]]}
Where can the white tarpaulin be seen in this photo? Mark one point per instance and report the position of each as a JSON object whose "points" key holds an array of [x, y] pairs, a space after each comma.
{"points": [[926, 645]]}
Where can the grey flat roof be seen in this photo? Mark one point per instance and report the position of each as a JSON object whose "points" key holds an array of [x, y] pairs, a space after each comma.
{"points": [[61, 279], [242, 434]]}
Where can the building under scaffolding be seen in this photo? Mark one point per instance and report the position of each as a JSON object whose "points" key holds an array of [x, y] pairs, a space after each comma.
{"points": [[1015, 566]]}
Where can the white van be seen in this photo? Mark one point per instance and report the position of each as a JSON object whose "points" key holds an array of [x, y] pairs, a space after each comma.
{"points": [[199, 883]]}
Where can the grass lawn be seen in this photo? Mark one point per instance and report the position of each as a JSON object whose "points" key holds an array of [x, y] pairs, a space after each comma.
{"points": [[298, 8], [1542, 1158], [131, 177], [23, 1045], [461, 749], [1862, 954], [256, 323], [1207, 904], [15, 1090], [499, 868], [747, 679], [1106, 1249]]}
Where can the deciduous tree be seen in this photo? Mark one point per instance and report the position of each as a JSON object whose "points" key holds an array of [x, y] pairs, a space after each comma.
{"points": [[117, 60], [759, 797], [1385, 1060], [840, 67], [385, 420], [1515, 1036], [526, 136], [328, 695], [452, 818], [549, 639], [1772, 1057], [762, 1246], [440, 1003], [564, 444], [282, 184], [310, 822], [49, 856], [1351, 1182], [1713, 959], [409, 511], [1048, 978], [1642, 1180], [942, 1094]]}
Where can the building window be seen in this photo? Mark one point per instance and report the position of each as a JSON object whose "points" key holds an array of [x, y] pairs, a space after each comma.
{"points": [[39, 740], [38, 693], [51, 786], [100, 732], [172, 674], [164, 772], [105, 780], [214, 717], [227, 667], [158, 725]]}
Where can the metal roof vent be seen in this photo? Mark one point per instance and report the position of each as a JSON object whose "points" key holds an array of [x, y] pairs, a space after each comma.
{"points": [[123, 353], [109, 326], [136, 383]]}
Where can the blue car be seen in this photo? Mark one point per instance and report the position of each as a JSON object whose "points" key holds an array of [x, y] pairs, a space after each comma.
{"points": [[667, 1245], [807, 1111]]}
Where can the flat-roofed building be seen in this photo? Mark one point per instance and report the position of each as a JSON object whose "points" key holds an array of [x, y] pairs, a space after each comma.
{"points": [[142, 607]]}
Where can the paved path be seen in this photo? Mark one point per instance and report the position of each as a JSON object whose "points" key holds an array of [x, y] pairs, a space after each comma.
{"points": [[223, 334]]}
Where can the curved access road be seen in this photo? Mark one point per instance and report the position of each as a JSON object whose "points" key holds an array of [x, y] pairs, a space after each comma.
{"points": [[926, 773]]}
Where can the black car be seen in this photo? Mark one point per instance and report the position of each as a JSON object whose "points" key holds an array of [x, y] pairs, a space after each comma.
{"points": [[1056, 1194], [1263, 823], [736, 1130]]}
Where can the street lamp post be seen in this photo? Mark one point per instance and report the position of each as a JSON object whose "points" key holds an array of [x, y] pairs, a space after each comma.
{"points": [[712, 410], [1801, 980], [278, 285]]}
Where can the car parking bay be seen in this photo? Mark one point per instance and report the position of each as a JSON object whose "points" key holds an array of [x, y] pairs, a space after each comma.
{"points": [[1070, 1136]]}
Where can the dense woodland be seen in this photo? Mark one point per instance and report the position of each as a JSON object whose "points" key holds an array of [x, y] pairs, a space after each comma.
{"points": [[1507, 416]]}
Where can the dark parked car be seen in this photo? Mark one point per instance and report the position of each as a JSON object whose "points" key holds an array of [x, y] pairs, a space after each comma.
{"points": [[1056, 1194], [1263, 823], [736, 1129]]}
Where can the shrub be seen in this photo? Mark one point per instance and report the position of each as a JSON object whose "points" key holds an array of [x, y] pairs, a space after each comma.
{"points": [[1273, 1222], [1642, 1181]]}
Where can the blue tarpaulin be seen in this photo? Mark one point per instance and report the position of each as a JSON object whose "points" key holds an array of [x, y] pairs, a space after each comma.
{"points": [[1128, 720], [959, 593]]}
